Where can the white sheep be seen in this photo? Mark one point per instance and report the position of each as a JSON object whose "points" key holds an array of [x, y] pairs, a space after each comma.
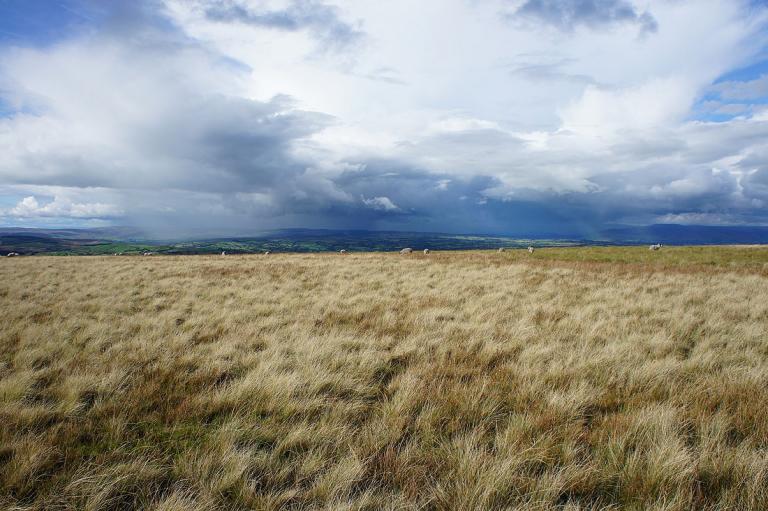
{"points": [[342, 251], [657, 246], [406, 251], [530, 250], [266, 252], [426, 251], [223, 252], [501, 249], [12, 254]]}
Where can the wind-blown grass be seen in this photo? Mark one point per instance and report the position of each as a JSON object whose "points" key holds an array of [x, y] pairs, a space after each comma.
{"points": [[590, 378]]}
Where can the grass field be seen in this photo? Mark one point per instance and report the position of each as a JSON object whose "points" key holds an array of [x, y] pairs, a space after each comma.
{"points": [[573, 379]]}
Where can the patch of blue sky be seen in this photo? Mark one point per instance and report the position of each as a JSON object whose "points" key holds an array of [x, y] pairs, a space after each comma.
{"points": [[6, 110], [9, 110], [43, 22], [715, 117], [9, 201], [713, 107], [747, 73]]}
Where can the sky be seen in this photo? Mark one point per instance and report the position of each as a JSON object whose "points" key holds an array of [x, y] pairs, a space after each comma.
{"points": [[560, 117]]}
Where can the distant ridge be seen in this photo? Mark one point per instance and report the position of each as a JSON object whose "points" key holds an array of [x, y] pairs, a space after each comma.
{"points": [[674, 234], [129, 240], [103, 233]]}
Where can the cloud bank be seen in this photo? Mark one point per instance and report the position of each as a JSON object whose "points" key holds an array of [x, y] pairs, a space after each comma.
{"points": [[444, 116], [570, 14]]}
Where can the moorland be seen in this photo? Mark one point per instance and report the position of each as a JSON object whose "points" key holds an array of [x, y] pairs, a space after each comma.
{"points": [[569, 379]]}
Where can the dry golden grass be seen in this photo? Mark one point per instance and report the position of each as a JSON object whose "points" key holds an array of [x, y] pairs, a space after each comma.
{"points": [[586, 380]]}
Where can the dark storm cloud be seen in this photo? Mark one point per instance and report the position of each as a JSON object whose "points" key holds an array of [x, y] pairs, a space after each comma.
{"points": [[232, 143], [756, 184], [567, 15], [320, 19], [441, 202], [215, 143]]}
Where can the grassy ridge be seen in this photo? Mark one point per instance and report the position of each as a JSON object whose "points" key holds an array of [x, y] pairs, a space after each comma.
{"points": [[750, 257], [585, 378]]}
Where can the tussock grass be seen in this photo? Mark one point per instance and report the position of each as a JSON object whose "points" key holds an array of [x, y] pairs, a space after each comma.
{"points": [[573, 379]]}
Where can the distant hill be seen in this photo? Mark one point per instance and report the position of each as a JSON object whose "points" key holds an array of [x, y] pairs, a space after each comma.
{"points": [[128, 240], [673, 234], [101, 233]]}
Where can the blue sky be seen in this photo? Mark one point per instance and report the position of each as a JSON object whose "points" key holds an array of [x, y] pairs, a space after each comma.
{"points": [[506, 116]]}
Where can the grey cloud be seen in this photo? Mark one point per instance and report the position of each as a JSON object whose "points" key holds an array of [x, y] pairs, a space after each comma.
{"points": [[715, 141], [743, 90], [755, 184], [234, 142], [566, 15], [642, 147], [460, 149], [169, 119], [647, 175], [663, 185], [546, 67], [550, 72], [210, 142], [644, 175], [319, 18], [426, 200], [173, 125], [442, 202], [380, 194], [384, 74], [639, 197], [754, 158]]}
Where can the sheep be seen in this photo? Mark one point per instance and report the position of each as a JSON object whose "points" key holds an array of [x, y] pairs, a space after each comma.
{"points": [[266, 252], [426, 251], [657, 246], [530, 250], [342, 251], [501, 249], [12, 254], [406, 251], [223, 252], [148, 253]]}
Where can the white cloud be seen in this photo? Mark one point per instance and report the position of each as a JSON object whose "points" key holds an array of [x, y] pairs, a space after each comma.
{"points": [[61, 207], [380, 204], [611, 112], [697, 218]]}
